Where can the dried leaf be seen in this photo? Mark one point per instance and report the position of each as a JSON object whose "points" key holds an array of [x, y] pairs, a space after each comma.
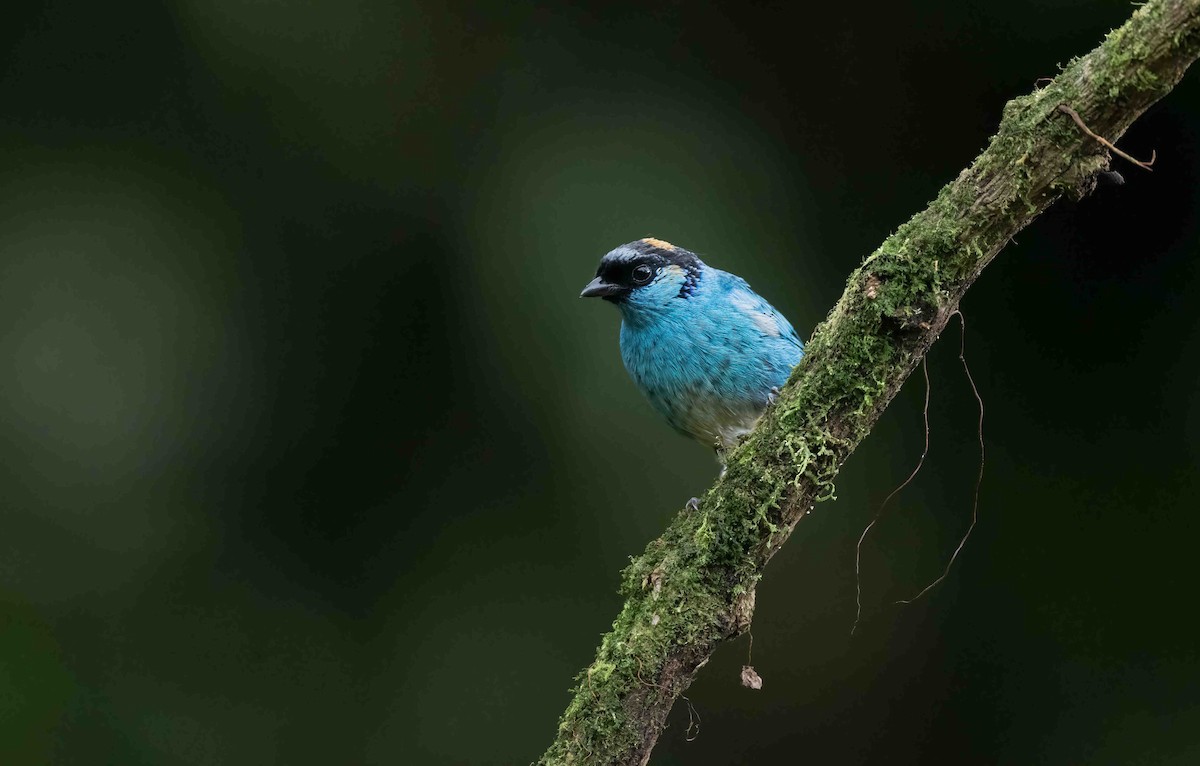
{"points": [[750, 677]]}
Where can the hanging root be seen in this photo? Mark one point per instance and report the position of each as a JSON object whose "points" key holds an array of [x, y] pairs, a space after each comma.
{"points": [[886, 500], [693, 727], [978, 481]]}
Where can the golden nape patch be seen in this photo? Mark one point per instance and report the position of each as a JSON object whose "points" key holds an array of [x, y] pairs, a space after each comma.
{"points": [[662, 244]]}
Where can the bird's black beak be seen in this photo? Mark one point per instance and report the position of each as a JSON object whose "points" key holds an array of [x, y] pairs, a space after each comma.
{"points": [[598, 288]]}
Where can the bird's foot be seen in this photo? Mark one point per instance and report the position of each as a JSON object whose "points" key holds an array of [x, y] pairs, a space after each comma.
{"points": [[693, 504]]}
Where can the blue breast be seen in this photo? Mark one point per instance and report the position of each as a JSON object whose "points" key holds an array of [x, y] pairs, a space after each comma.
{"points": [[710, 360]]}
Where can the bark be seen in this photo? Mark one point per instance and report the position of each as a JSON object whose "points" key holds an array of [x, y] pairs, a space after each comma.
{"points": [[694, 586]]}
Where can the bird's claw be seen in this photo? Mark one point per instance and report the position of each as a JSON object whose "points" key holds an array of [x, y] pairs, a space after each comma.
{"points": [[693, 504]]}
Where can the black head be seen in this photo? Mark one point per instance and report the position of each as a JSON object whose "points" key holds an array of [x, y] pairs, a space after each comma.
{"points": [[673, 271]]}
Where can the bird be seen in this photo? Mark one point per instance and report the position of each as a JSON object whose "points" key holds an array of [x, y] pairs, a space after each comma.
{"points": [[708, 352]]}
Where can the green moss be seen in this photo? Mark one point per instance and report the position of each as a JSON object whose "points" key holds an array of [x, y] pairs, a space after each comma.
{"points": [[601, 671]]}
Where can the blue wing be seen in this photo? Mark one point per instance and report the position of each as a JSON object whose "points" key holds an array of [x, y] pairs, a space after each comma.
{"points": [[762, 315]]}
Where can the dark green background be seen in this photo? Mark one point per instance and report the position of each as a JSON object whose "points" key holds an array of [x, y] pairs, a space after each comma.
{"points": [[309, 453]]}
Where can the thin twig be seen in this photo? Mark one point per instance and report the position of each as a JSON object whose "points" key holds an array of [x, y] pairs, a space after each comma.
{"points": [[1074, 115]]}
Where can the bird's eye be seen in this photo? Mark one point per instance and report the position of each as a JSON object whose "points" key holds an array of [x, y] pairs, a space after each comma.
{"points": [[642, 273]]}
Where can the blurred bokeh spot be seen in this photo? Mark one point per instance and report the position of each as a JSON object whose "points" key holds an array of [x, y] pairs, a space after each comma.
{"points": [[123, 360]]}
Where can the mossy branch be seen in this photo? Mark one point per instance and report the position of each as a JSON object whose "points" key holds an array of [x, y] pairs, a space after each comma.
{"points": [[694, 587]]}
